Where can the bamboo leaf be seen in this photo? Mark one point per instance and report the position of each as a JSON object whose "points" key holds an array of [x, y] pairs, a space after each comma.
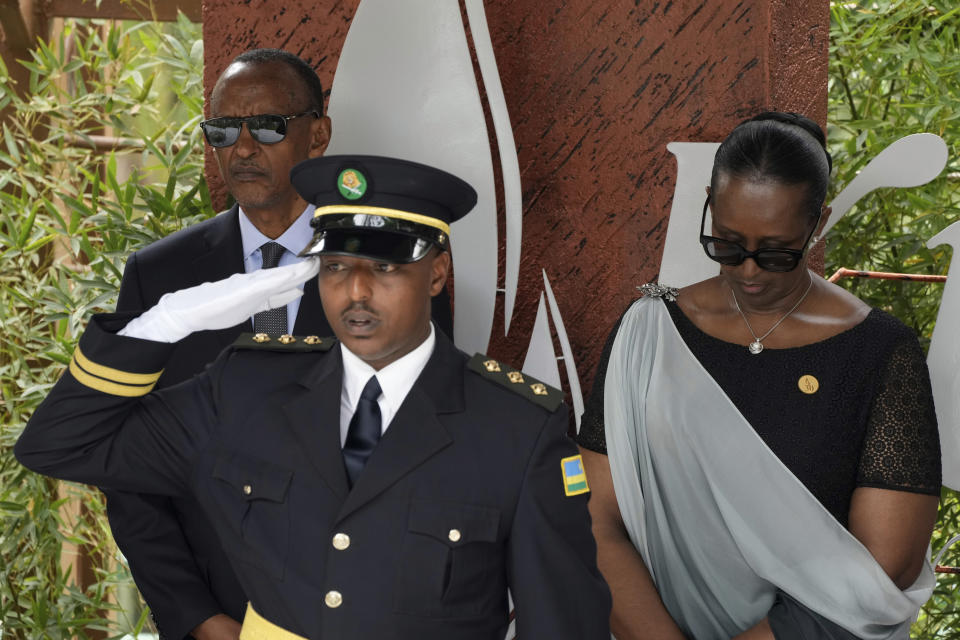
{"points": [[11, 144], [27, 226]]}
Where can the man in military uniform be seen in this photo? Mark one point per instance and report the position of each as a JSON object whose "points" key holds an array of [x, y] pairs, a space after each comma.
{"points": [[267, 109], [380, 485]]}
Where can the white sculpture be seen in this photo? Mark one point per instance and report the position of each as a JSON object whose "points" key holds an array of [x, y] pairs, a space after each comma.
{"points": [[944, 362]]}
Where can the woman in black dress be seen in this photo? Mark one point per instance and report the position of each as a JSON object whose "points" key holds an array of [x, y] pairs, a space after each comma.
{"points": [[774, 462]]}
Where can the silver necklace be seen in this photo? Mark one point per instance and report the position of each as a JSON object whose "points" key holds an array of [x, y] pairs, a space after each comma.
{"points": [[756, 346]]}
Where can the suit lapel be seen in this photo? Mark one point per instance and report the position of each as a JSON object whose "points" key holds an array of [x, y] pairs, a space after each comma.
{"points": [[416, 433], [221, 256], [314, 417], [310, 317]]}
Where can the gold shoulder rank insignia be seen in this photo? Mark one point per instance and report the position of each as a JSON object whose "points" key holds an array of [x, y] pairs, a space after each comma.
{"points": [[574, 476], [506, 376], [284, 343]]}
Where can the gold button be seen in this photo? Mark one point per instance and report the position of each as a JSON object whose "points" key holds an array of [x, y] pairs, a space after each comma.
{"points": [[261, 337], [341, 541], [333, 599], [312, 340], [247, 489], [454, 535]]}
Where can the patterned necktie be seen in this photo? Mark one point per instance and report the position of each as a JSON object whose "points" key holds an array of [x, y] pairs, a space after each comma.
{"points": [[364, 431], [273, 321]]}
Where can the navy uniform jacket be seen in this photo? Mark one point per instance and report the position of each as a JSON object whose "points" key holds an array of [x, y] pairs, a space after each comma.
{"points": [[174, 554], [256, 440]]}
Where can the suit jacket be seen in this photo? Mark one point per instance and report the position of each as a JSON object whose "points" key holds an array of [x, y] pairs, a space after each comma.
{"points": [[462, 497], [175, 557]]}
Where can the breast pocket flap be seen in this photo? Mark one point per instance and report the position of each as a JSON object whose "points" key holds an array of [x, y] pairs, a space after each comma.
{"points": [[452, 523], [253, 479]]}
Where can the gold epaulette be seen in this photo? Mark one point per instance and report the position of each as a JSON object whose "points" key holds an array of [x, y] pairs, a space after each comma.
{"points": [[286, 342], [506, 376]]}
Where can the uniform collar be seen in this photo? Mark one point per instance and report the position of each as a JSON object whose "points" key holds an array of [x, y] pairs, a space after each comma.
{"points": [[396, 379]]}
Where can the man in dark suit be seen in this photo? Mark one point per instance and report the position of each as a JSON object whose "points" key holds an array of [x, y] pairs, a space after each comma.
{"points": [[384, 487], [267, 107]]}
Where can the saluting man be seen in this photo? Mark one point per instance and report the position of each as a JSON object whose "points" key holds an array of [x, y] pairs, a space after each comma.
{"points": [[377, 485]]}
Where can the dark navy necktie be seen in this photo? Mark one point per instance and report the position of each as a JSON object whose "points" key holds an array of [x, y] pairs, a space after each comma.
{"points": [[272, 321], [364, 431]]}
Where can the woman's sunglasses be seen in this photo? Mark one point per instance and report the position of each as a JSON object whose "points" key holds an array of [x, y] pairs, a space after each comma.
{"points": [[265, 129], [732, 254]]}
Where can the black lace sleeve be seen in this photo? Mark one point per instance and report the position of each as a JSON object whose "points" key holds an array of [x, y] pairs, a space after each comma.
{"points": [[592, 435], [901, 449]]}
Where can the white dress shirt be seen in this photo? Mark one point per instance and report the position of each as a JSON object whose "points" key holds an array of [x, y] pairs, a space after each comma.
{"points": [[396, 379], [294, 239]]}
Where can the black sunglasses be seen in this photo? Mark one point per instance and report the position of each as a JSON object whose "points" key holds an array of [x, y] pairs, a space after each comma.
{"points": [[265, 128], [732, 254]]}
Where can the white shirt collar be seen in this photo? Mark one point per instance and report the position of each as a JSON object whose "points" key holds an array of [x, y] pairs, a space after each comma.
{"points": [[294, 239], [396, 379]]}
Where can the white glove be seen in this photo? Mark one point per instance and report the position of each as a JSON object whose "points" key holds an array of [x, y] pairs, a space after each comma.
{"points": [[221, 304]]}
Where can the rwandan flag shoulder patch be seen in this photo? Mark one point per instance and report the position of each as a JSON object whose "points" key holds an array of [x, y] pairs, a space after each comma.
{"points": [[574, 477]]}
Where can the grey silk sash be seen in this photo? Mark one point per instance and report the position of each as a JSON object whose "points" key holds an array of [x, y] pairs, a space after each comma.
{"points": [[720, 522]]}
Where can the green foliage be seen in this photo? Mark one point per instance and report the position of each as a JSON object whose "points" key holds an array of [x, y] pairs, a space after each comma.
{"points": [[69, 216], [894, 70]]}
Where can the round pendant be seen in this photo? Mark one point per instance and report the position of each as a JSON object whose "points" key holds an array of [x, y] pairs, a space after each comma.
{"points": [[755, 347]]}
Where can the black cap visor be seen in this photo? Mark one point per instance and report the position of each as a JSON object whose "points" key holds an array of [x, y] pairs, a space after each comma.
{"points": [[380, 246], [377, 237]]}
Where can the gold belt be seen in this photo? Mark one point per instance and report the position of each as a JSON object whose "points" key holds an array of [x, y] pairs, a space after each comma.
{"points": [[256, 627]]}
